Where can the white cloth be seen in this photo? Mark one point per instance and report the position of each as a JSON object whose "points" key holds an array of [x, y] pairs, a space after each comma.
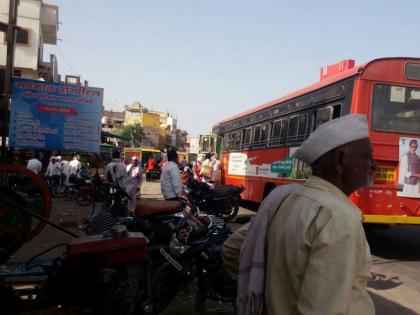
{"points": [[216, 173], [345, 130], [133, 181], [34, 165], [318, 259], [117, 170], [252, 260], [74, 167], [171, 181], [53, 169], [65, 169]]}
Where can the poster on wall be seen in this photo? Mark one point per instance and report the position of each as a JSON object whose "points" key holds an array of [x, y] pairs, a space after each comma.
{"points": [[409, 168], [55, 116]]}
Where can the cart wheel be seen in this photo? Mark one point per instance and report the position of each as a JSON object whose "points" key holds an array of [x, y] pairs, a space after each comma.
{"points": [[31, 190], [15, 225]]}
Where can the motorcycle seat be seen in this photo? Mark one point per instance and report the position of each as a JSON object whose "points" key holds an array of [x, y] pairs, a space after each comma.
{"points": [[226, 191], [148, 208]]}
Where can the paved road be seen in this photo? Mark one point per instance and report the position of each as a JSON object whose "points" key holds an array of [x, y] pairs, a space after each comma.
{"points": [[395, 287]]}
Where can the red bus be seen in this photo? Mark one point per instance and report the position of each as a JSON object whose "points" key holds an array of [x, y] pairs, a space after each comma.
{"points": [[258, 144]]}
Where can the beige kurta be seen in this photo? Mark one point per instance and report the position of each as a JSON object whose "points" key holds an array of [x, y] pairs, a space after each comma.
{"points": [[318, 258]]}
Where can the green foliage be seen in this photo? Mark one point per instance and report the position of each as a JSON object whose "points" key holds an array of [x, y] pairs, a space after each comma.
{"points": [[133, 131]]}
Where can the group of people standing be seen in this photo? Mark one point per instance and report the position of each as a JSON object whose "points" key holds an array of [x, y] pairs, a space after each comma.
{"points": [[57, 166], [127, 177], [208, 170]]}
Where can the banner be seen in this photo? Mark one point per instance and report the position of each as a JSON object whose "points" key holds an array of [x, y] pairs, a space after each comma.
{"points": [[409, 168], [55, 116]]}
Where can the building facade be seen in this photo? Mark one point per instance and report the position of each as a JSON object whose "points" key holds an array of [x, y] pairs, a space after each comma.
{"points": [[38, 25]]}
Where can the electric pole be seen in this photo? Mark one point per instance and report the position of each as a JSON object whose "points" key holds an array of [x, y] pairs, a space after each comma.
{"points": [[10, 40]]}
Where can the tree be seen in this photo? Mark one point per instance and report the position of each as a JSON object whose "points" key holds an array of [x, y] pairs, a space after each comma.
{"points": [[134, 132]]}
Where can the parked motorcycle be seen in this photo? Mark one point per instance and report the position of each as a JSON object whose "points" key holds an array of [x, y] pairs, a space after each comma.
{"points": [[221, 201], [94, 189], [73, 190]]}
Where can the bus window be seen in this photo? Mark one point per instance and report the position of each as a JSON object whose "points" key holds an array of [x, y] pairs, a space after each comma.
{"points": [[246, 137], [226, 142], [336, 111], [322, 115], [233, 141], [264, 134], [275, 132], [303, 124], [283, 131], [412, 71], [396, 109], [238, 139], [257, 134], [292, 129]]}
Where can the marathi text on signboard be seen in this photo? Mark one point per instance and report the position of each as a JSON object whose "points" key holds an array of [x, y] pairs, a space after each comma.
{"points": [[55, 116], [283, 167]]}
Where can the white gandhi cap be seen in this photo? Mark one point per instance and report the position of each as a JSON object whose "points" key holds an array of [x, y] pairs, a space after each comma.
{"points": [[332, 134]]}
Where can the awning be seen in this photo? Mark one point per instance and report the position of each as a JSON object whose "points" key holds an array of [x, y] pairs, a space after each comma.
{"points": [[111, 135]]}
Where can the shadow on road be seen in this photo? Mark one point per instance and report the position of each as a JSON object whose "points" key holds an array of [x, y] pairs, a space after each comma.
{"points": [[384, 306], [400, 242], [381, 282]]}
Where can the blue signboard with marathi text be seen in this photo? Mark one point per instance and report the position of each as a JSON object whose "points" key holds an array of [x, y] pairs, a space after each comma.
{"points": [[55, 116]]}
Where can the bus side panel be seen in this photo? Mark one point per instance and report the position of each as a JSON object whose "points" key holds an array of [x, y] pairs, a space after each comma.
{"points": [[259, 171]]}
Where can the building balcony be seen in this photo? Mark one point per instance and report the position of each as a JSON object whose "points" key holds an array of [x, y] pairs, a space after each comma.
{"points": [[49, 23], [48, 70]]}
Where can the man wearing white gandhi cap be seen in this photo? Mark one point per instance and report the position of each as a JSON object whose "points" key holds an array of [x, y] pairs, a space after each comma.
{"points": [[318, 259]]}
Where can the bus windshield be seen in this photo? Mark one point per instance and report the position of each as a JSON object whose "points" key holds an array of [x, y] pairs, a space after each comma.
{"points": [[396, 109]]}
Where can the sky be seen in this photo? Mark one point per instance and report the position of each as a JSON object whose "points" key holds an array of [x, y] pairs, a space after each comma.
{"points": [[206, 60]]}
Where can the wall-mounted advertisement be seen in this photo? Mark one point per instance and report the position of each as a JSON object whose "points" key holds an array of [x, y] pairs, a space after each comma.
{"points": [[55, 116], [409, 168]]}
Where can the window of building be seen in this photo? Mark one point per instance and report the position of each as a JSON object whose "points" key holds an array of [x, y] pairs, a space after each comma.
{"points": [[22, 36]]}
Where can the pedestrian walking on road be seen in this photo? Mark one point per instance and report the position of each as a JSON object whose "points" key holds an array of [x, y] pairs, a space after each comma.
{"points": [[206, 170], [133, 182], [317, 259], [170, 181], [116, 170]]}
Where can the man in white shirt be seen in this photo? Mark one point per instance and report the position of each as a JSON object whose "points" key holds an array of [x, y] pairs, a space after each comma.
{"points": [[170, 181], [54, 168], [34, 164], [116, 172], [75, 165]]}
